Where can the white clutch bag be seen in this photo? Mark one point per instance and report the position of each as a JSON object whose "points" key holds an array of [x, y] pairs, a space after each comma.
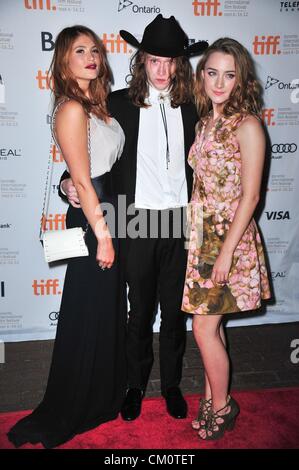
{"points": [[64, 244], [61, 244]]}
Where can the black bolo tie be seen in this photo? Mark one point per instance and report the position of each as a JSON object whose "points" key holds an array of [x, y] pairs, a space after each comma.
{"points": [[163, 114]]}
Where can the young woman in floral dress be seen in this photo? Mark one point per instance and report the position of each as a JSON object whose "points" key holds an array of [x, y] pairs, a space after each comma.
{"points": [[226, 270]]}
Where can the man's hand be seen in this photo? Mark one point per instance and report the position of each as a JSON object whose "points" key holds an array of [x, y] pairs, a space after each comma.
{"points": [[70, 191]]}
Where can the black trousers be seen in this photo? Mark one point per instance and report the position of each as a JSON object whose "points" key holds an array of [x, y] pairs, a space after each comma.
{"points": [[155, 269]]}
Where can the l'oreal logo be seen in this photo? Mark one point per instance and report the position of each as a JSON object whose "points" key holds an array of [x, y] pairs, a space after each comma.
{"points": [[10, 152]]}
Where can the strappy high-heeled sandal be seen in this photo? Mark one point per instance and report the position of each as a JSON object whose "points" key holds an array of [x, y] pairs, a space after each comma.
{"points": [[204, 407], [215, 430]]}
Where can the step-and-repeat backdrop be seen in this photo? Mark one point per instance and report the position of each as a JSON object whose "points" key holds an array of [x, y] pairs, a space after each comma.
{"points": [[30, 290]]}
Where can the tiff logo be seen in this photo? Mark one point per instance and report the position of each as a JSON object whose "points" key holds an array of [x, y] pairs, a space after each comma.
{"points": [[267, 116], [206, 8], [266, 45], [44, 81], [56, 154], [39, 5], [48, 287], [53, 222], [115, 45]]}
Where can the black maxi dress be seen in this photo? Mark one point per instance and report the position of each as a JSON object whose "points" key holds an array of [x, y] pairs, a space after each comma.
{"points": [[87, 379]]}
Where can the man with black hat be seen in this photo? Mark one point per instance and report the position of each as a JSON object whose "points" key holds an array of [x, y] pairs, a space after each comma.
{"points": [[158, 117]]}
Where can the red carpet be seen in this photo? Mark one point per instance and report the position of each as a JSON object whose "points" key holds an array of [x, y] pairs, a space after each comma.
{"points": [[269, 419]]}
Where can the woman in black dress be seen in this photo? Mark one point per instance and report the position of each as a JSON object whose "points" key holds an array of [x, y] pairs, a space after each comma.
{"points": [[87, 379]]}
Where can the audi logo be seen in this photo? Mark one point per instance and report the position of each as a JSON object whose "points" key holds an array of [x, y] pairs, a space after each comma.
{"points": [[284, 148], [53, 316]]}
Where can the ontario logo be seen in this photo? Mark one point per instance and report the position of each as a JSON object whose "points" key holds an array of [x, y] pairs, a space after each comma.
{"points": [[271, 81], [123, 4]]}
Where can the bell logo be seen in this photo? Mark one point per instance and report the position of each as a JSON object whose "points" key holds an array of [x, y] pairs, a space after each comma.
{"points": [[53, 222], [266, 45], [206, 8], [48, 287], [39, 5], [44, 82], [56, 154], [267, 116], [47, 41]]}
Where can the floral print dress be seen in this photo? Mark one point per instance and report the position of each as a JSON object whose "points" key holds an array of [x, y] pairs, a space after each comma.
{"points": [[217, 190]]}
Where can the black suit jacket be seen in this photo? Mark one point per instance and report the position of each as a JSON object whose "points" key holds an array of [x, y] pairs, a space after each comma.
{"points": [[127, 114]]}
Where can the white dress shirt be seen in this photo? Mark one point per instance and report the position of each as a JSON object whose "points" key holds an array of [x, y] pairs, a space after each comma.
{"points": [[159, 187]]}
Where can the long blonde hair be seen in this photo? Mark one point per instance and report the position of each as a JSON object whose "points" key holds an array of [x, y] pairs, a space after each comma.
{"points": [[246, 94], [64, 85]]}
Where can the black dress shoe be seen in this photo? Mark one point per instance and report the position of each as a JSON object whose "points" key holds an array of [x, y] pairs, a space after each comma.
{"points": [[175, 403], [132, 405]]}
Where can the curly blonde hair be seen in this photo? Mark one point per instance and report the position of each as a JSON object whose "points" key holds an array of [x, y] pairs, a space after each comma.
{"points": [[64, 85], [246, 94]]}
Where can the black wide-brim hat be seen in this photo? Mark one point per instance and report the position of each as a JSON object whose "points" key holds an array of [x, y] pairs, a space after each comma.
{"points": [[164, 37]]}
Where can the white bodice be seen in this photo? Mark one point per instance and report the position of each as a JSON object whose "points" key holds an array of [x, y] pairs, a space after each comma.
{"points": [[106, 142]]}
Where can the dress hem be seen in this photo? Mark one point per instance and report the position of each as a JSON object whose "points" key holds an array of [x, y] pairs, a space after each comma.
{"points": [[226, 312]]}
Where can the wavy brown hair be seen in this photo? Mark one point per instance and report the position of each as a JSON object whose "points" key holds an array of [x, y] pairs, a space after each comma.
{"points": [[181, 86], [246, 94], [65, 85]]}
